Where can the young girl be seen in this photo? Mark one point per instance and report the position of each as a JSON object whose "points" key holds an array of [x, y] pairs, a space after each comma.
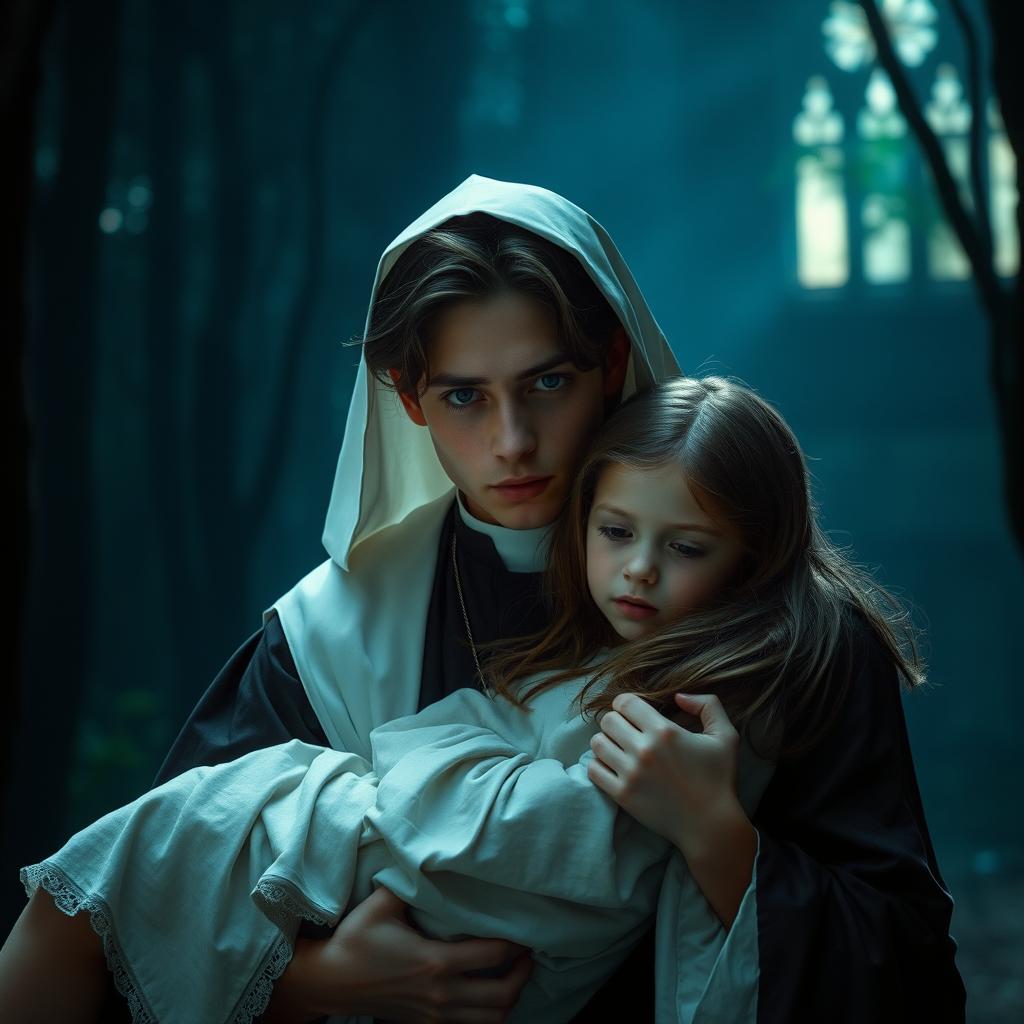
{"points": [[687, 560]]}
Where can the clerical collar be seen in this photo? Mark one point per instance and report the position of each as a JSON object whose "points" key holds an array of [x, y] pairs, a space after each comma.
{"points": [[520, 550]]}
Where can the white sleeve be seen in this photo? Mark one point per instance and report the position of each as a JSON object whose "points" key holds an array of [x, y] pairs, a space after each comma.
{"points": [[704, 973]]}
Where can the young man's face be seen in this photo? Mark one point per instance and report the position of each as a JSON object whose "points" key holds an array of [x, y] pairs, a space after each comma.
{"points": [[508, 413]]}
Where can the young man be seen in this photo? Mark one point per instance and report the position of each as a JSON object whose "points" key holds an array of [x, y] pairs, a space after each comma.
{"points": [[503, 326]]}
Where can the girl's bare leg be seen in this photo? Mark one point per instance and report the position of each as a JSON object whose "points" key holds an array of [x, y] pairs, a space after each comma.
{"points": [[51, 967]]}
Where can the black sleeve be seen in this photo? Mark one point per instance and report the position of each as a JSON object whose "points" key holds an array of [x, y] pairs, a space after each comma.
{"points": [[853, 915], [256, 700]]}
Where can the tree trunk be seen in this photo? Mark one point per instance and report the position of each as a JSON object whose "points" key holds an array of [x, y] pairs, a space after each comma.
{"points": [[1007, 27]]}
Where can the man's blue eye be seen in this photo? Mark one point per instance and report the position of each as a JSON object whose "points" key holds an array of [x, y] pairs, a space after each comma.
{"points": [[551, 381], [461, 397]]}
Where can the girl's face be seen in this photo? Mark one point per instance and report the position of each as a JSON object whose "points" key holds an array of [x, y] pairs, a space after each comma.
{"points": [[653, 554]]}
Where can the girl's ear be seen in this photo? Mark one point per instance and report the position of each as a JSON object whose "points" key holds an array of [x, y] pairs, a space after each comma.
{"points": [[410, 403], [615, 363]]}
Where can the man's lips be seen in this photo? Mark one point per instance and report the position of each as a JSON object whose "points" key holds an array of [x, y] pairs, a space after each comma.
{"points": [[634, 607], [522, 486]]}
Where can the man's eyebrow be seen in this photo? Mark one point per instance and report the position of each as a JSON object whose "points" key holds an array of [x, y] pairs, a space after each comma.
{"points": [[697, 527], [451, 380]]}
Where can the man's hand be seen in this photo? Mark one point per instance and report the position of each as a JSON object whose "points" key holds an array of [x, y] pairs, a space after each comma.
{"points": [[378, 965]]}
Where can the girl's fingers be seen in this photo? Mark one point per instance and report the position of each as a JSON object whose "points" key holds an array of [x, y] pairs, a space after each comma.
{"points": [[708, 708], [609, 752], [637, 711], [604, 778], [620, 729]]}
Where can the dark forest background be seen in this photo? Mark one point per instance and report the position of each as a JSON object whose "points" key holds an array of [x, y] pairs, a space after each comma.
{"points": [[201, 193]]}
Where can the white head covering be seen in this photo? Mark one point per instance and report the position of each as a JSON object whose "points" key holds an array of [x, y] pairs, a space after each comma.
{"points": [[356, 624], [388, 466]]}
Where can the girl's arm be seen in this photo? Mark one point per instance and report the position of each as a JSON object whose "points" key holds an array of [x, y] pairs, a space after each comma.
{"points": [[850, 912], [489, 814]]}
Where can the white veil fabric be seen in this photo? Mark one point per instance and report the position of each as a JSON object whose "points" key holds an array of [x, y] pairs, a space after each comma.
{"points": [[355, 625], [388, 466]]}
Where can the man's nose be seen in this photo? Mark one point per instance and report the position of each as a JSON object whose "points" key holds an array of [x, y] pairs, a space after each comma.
{"points": [[514, 435]]}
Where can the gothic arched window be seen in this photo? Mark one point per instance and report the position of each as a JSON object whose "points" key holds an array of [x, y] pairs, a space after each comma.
{"points": [[865, 206]]}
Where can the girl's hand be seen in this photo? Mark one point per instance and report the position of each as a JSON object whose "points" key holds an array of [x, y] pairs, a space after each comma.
{"points": [[682, 785], [676, 782]]}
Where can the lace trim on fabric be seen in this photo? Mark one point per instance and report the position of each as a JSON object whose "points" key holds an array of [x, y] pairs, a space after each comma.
{"points": [[69, 899], [286, 908], [285, 905], [256, 998]]}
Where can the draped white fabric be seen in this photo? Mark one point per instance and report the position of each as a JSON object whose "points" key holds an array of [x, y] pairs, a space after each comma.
{"points": [[479, 816], [388, 466]]}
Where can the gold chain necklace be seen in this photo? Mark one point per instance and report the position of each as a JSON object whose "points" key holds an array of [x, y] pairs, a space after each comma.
{"points": [[462, 605]]}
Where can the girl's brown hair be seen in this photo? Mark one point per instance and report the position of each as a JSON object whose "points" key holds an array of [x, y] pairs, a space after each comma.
{"points": [[777, 645], [468, 259]]}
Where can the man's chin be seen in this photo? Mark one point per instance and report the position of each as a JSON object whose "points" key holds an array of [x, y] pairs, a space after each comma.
{"points": [[526, 515]]}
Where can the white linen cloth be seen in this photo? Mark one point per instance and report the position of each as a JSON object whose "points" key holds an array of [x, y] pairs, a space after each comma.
{"points": [[478, 814]]}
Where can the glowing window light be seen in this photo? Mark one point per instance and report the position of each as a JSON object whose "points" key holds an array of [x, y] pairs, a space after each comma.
{"points": [[881, 118], [949, 115], [883, 149], [886, 241], [821, 214], [851, 46], [883, 165]]}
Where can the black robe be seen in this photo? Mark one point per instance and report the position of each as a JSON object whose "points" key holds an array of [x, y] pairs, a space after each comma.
{"points": [[852, 914]]}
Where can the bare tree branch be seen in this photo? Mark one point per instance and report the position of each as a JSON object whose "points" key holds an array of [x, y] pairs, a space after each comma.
{"points": [[1001, 305], [1006, 18], [976, 97], [978, 253]]}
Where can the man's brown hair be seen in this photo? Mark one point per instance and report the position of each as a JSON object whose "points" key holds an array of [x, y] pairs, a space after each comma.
{"points": [[469, 259]]}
